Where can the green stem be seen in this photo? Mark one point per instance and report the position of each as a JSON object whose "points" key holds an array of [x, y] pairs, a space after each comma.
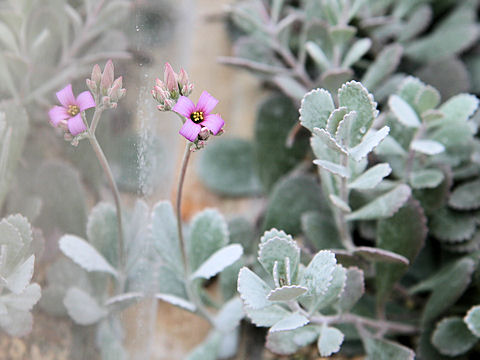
{"points": [[342, 224], [116, 194], [192, 295]]}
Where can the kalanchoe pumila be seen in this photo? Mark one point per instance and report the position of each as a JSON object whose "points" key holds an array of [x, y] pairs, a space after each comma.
{"points": [[69, 115], [167, 92], [199, 121], [105, 88]]}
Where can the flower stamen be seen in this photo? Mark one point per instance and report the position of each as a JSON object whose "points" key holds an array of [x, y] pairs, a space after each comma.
{"points": [[73, 110], [197, 117]]}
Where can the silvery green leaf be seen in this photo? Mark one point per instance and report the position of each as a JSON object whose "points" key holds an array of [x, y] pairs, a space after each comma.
{"points": [[371, 178], [16, 323], [378, 349], [428, 98], [23, 301], [459, 108], [315, 109], [466, 196], [289, 342], [318, 55], [374, 254], [339, 203], [356, 52], [208, 233], [369, 142], [452, 337], [428, 147], [327, 139], [84, 254], [344, 131], [102, 231], [333, 168], [20, 277], [122, 301], [208, 349], [177, 301], [229, 344], [403, 235], [290, 86], [426, 178], [274, 233], [355, 97], [21, 223], [229, 315], [82, 307], [472, 319], [390, 146], [383, 206], [267, 316], [386, 62], [227, 168], [109, 339], [165, 235], [329, 341], [416, 23], [353, 291], [333, 78], [291, 322], [318, 275], [320, 229], [218, 261], [341, 34], [286, 293], [277, 250], [403, 111], [336, 287], [252, 289], [334, 119]]}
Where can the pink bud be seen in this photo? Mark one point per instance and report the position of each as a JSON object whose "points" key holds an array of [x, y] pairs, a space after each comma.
{"points": [[183, 78], [170, 77], [204, 134], [159, 82], [96, 74], [161, 108], [107, 76]]}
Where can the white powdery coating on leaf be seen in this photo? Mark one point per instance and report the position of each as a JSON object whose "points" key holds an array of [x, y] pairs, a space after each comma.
{"points": [[177, 301], [286, 293]]}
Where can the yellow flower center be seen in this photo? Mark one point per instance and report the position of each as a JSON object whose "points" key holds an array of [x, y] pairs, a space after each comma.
{"points": [[73, 110], [197, 117]]}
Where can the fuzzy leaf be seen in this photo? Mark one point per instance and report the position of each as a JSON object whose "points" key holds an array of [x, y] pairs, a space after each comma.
{"points": [[472, 319], [315, 109], [20, 277], [369, 142], [334, 119], [403, 111], [404, 234], [318, 55], [289, 342], [353, 291], [451, 226], [207, 350], [290, 198], [378, 349], [466, 196], [208, 233], [82, 307], [218, 261], [286, 293], [267, 316], [227, 168], [165, 236], [320, 229], [428, 98], [386, 62], [373, 254], [252, 289], [274, 233], [291, 322], [459, 108], [355, 97], [229, 315], [329, 341], [276, 250], [102, 231], [177, 301], [384, 206], [426, 178], [326, 138], [428, 147], [318, 275], [356, 52], [333, 168], [339, 203], [452, 337], [84, 254], [371, 178], [337, 285]]}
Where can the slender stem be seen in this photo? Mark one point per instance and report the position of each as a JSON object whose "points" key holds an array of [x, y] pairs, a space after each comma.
{"points": [[381, 325], [192, 295], [116, 195], [342, 224]]}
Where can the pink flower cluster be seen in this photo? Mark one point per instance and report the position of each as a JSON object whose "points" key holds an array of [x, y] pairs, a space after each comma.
{"points": [[166, 92]]}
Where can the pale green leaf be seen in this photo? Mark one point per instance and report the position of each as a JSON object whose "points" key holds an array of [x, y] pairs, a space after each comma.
{"points": [[333, 168], [318, 55], [275, 251], [386, 62], [329, 341], [466, 196], [286, 293], [267, 316], [427, 147], [82, 307], [318, 275], [252, 289], [472, 319], [353, 291], [369, 142], [229, 315], [371, 178], [177, 301], [356, 52], [291, 322], [403, 111], [452, 337], [218, 261], [315, 109], [378, 349], [426, 178]]}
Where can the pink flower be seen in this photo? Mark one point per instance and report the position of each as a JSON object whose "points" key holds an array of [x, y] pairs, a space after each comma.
{"points": [[70, 113], [198, 116]]}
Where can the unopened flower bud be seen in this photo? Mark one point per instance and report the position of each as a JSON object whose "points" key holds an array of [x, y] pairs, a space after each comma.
{"points": [[114, 91], [221, 132], [168, 104], [204, 134], [91, 86], [107, 77], [96, 75], [170, 78]]}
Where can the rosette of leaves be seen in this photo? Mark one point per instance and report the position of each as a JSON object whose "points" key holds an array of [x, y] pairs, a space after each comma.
{"points": [[209, 255], [17, 294], [430, 146], [298, 47]]}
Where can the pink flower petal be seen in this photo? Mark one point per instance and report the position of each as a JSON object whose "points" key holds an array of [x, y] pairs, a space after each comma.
{"points": [[85, 101], [184, 107], [57, 114], [76, 125], [206, 103], [65, 96], [190, 130], [214, 123]]}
